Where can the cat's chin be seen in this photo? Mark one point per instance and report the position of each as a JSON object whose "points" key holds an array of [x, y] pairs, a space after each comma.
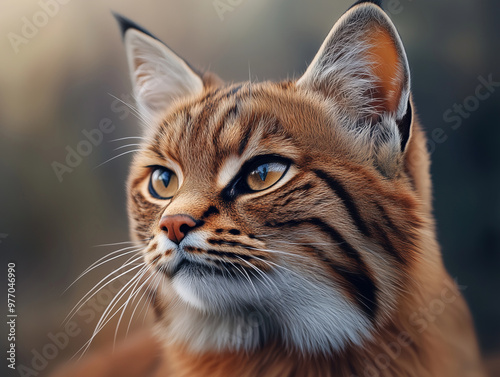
{"points": [[200, 287], [217, 312]]}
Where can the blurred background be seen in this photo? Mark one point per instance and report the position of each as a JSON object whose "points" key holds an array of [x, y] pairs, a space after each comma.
{"points": [[62, 66]]}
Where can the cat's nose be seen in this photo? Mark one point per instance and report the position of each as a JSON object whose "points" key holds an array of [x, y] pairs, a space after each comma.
{"points": [[177, 226]]}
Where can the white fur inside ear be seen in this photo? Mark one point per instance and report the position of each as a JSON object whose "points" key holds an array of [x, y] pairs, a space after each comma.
{"points": [[345, 71], [159, 76]]}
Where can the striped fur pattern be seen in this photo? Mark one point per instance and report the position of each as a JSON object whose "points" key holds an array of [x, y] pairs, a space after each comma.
{"points": [[310, 276]]}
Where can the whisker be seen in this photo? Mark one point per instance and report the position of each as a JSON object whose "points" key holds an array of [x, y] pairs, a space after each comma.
{"points": [[86, 345], [260, 272], [124, 242], [95, 289], [135, 111], [128, 138], [269, 263], [134, 292], [149, 302], [97, 264], [135, 308], [126, 146], [106, 317], [115, 157], [121, 293]]}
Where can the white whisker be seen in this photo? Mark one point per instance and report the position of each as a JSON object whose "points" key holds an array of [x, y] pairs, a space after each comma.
{"points": [[133, 293], [99, 263], [121, 154], [136, 306], [128, 138], [126, 146], [150, 300], [95, 289], [106, 317]]}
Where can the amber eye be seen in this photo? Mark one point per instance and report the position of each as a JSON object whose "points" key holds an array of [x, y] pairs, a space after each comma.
{"points": [[265, 175], [163, 183]]}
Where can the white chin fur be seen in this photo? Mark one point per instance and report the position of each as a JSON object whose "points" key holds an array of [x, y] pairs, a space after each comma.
{"points": [[186, 294], [217, 313]]}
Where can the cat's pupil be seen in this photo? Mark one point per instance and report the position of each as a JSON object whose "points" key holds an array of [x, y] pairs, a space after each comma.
{"points": [[165, 178], [263, 170]]}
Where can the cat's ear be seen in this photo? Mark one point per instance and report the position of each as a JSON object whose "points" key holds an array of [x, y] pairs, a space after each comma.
{"points": [[362, 68], [159, 76]]}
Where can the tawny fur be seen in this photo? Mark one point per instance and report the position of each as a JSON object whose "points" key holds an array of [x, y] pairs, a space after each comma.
{"points": [[358, 186]]}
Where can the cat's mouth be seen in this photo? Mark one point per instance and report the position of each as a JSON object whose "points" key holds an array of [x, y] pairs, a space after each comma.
{"points": [[185, 265], [190, 267]]}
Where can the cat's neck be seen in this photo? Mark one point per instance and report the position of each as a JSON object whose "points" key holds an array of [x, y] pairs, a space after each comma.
{"points": [[436, 339]]}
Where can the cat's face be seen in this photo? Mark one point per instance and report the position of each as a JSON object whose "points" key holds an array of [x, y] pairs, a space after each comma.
{"points": [[286, 202]]}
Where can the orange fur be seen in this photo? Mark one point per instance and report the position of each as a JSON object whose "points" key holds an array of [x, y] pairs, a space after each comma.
{"points": [[359, 287]]}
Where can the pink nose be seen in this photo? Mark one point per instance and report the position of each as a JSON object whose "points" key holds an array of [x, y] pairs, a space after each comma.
{"points": [[177, 226]]}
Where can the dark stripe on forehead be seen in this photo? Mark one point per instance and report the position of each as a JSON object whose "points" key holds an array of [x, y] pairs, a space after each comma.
{"points": [[210, 94], [232, 91], [232, 112], [213, 98], [211, 102], [244, 140], [272, 126]]}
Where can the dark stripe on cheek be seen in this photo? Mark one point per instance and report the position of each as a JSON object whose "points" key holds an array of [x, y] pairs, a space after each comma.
{"points": [[405, 236], [346, 198], [386, 243], [220, 242], [360, 283], [366, 290], [228, 254]]}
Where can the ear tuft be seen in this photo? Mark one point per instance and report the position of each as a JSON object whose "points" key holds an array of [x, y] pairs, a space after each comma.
{"points": [[125, 24]]}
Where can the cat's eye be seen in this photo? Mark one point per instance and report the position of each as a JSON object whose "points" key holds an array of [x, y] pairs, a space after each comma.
{"points": [[265, 175], [163, 183]]}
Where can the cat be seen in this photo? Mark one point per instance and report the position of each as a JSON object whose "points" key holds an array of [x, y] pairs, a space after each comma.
{"points": [[291, 222]]}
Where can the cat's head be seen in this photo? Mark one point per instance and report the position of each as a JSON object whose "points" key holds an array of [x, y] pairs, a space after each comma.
{"points": [[276, 211]]}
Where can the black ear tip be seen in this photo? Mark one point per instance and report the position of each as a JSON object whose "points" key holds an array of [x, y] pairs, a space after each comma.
{"points": [[376, 2], [125, 24]]}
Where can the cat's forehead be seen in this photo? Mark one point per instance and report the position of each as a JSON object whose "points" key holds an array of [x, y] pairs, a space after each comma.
{"points": [[241, 120]]}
